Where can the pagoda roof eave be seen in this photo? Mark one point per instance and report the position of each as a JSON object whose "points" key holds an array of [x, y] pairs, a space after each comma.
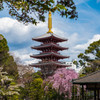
{"points": [[88, 79], [49, 63], [49, 54], [49, 35], [49, 45]]}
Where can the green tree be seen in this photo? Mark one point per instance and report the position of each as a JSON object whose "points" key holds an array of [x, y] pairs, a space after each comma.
{"points": [[50, 93], [8, 89], [91, 57], [75, 62], [24, 10], [33, 89], [92, 52], [3, 49], [6, 60]]}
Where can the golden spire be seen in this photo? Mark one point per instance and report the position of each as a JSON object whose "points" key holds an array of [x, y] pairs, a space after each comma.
{"points": [[50, 22]]}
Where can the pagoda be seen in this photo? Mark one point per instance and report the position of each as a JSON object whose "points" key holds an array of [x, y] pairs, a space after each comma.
{"points": [[49, 51]]}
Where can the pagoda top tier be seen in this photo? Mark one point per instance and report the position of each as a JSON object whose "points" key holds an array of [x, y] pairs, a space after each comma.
{"points": [[49, 37]]}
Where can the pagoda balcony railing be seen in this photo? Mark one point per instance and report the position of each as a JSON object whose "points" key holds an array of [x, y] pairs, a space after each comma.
{"points": [[51, 61], [46, 52], [49, 43]]}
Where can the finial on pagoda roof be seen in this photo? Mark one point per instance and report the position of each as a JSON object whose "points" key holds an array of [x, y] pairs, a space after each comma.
{"points": [[50, 22]]}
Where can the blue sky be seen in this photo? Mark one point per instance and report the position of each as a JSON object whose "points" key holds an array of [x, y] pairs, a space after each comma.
{"points": [[80, 32]]}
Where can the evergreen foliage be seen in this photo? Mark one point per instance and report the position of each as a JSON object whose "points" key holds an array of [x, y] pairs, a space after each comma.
{"points": [[90, 59], [92, 53], [33, 88], [6, 60]]}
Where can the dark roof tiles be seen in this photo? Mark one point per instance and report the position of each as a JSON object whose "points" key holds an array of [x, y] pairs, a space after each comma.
{"points": [[91, 78]]}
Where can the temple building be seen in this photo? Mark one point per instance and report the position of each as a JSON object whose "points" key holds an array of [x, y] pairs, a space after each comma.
{"points": [[91, 91], [49, 51]]}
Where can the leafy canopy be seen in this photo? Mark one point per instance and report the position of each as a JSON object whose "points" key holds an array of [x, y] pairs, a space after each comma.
{"points": [[34, 10], [6, 60], [8, 87], [33, 89], [92, 53], [90, 59]]}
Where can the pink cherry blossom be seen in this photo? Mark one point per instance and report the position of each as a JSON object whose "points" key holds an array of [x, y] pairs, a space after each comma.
{"points": [[62, 81]]}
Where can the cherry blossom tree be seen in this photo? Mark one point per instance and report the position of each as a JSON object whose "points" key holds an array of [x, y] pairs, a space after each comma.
{"points": [[61, 81]]}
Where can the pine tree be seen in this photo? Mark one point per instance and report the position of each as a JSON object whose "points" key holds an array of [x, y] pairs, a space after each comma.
{"points": [[6, 60]]}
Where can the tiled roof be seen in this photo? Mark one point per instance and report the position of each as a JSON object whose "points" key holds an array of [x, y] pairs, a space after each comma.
{"points": [[47, 35], [49, 54], [91, 78], [49, 45]]}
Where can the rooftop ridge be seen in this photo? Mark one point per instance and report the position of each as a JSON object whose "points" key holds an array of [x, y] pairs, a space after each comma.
{"points": [[49, 35], [86, 76]]}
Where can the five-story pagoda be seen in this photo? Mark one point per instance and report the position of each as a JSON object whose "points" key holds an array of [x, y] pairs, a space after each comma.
{"points": [[49, 55]]}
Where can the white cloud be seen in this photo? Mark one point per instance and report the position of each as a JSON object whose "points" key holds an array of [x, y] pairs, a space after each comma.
{"points": [[73, 38], [84, 46], [18, 32], [24, 56], [31, 61]]}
